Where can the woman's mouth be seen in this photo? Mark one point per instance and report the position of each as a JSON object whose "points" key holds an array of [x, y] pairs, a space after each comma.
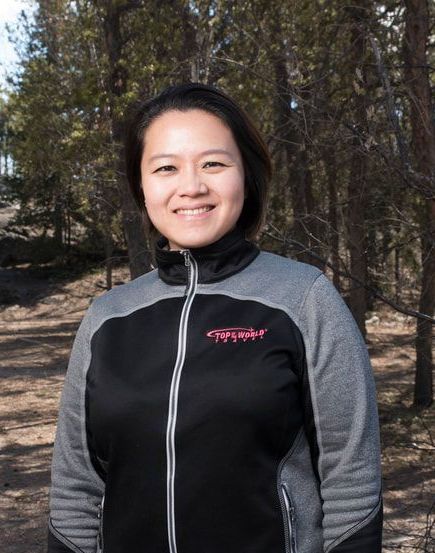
{"points": [[195, 212]]}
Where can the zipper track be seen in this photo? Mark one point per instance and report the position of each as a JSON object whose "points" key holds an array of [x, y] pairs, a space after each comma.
{"points": [[289, 512], [100, 542], [173, 396]]}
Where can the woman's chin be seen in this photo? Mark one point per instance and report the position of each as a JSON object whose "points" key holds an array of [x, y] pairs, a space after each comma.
{"points": [[185, 241]]}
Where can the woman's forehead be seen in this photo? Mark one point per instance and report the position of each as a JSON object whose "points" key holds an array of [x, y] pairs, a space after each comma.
{"points": [[194, 132]]}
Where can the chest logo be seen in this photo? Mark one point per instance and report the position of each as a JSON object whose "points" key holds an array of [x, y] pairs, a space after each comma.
{"points": [[236, 334]]}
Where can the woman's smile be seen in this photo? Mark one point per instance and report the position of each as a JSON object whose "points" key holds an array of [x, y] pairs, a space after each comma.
{"points": [[195, 213]]}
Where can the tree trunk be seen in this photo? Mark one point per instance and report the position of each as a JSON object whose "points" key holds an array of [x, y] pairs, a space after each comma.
{"points": [[57, 214], [108, 253], [397, 285], [358, 175], [297, 159], [423, 145], [139, 259], [333, 236], [189, 51]]}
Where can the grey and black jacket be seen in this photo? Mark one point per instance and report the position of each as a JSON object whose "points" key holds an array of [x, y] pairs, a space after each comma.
{"points": [[224, 402]]}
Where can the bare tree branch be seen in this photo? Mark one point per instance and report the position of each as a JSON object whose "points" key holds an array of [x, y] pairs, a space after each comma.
{"points": [[346, 274]]}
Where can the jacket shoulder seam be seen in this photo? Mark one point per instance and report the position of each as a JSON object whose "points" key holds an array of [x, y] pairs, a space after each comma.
{"points": [[128, 311], [307, 293], [257, 299]]}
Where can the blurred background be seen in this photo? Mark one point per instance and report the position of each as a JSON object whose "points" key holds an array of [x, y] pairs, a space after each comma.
{"points": [[343, 93]]}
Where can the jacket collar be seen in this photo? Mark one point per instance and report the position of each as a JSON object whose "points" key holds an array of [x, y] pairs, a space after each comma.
{"points": [[216, 261]]}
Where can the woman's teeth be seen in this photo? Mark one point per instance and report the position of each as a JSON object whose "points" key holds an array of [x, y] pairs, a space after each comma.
{"points": [[194, 211]]}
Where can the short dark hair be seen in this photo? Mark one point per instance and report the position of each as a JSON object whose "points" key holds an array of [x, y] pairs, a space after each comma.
{"points": [[257, 163]]}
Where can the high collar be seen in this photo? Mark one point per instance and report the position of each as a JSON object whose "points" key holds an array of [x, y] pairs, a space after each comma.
{"points": [[216, 261]]}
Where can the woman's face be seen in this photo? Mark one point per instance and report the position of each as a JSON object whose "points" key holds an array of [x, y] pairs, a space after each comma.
{"points": [[191, 162]]}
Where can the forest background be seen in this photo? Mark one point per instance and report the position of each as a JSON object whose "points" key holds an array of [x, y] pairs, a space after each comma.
{"points": [[343, 93]]}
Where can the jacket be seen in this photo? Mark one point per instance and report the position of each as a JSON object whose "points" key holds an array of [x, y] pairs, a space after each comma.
{"points": [[223, 402]]}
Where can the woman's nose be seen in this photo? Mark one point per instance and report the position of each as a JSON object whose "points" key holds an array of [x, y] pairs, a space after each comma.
{"points": [[191, 183]]}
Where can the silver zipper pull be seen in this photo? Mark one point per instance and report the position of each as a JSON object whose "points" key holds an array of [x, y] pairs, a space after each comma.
{"points": [[187, 263], [186, 257]]}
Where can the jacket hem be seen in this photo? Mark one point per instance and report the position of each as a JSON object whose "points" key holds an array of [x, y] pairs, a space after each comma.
{"points": [[357, 526], [62, 538]]}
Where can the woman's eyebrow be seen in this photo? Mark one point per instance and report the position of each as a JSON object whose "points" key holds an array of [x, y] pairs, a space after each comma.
{"points": [[206, 152]]}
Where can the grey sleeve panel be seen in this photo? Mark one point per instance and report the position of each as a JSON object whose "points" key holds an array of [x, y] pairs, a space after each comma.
{"points": [[76, 489], [345, 412]]}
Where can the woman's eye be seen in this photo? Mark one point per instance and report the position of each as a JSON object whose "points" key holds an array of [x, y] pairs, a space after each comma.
{"points": [[215, 162], [164, 167]]}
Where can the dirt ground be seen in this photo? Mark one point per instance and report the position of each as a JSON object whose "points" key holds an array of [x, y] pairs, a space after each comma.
{"points": [[35, 340]]}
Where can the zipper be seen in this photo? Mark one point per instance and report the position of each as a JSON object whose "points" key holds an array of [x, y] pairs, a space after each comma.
{"points": [[192, 279], [290, 535], [100, 527], [188, 265]]}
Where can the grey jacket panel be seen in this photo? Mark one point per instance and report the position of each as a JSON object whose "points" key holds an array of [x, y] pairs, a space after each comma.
{"points": [[345, 412], [302, 489], [132, 295], [76, 489]]}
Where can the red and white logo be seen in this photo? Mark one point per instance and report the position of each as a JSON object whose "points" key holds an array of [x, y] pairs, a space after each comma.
{"points": [[236, 334]]}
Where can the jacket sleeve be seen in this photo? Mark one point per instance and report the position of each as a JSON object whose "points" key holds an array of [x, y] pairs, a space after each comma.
{"points": [[76, 489], [343, 398]]}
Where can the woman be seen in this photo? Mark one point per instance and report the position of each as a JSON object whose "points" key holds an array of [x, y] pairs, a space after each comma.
{"points": [[224, 402]]}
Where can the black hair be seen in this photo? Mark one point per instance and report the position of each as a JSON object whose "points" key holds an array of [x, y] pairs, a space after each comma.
{"points": [[257, 163]]}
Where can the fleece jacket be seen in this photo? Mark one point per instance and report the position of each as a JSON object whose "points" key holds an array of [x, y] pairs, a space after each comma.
{"points": [[223, 402]]}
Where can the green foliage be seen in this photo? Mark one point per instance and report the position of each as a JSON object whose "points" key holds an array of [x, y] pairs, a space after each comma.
{"points": [[319, 103]]}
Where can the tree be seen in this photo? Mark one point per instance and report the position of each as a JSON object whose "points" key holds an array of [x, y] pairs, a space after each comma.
{"points": [[423, 145]]}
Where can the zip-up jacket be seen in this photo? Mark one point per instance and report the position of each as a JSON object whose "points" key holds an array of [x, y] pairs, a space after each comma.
{"points": [[223, 402]]}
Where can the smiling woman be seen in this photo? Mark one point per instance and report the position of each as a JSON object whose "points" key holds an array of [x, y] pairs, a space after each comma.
{"points": [[192, 147], [223, 402]]}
